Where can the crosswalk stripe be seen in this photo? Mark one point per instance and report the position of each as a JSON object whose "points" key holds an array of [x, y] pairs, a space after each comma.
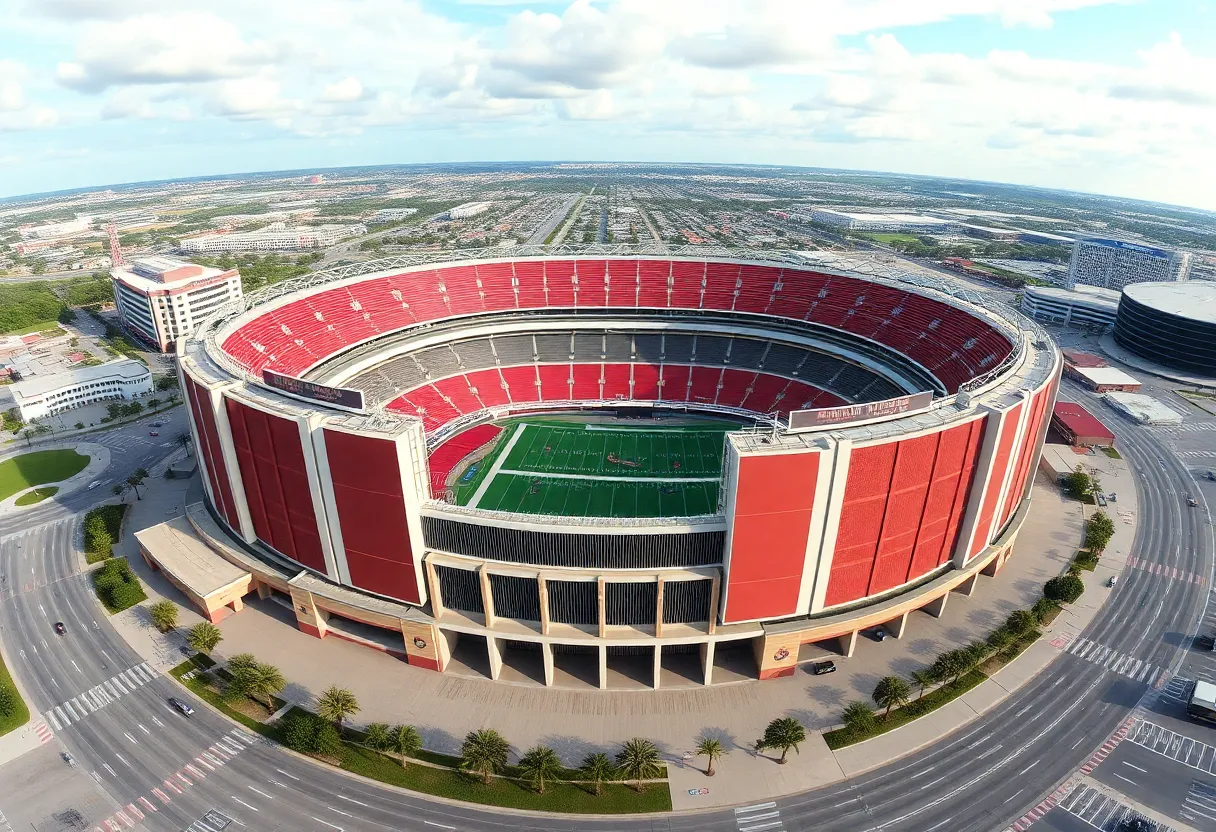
{"points": [[64, 718], [148, 669], [122, 689], [50, 717]]}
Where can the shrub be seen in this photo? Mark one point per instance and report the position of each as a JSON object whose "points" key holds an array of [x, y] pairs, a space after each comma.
{"points": [[1099, 529], [309, 734], [1064, 589], [8, 701], [1020, 622], [117, 585], [164, 615], [858, 715], [1043, 608]]}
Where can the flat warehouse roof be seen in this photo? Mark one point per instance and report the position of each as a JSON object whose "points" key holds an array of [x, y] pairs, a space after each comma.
{"points": [[179, 552], [1107, 375], [1080, 421]]}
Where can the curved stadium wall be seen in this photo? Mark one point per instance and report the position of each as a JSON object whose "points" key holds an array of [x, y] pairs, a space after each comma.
{"points": [[818, 532]]}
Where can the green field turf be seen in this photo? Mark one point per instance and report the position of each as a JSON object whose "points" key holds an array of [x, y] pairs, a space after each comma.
{"points": [[600, 470]]}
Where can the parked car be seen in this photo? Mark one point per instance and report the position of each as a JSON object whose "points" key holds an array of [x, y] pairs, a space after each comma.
{"points": [[1114, 579], [880, 634], [183, 707], [68, 758], [60, 629], [820, 668]]}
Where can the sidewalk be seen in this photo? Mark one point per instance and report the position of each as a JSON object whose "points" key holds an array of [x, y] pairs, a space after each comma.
{"points": [[573, 722], [99, 460]]}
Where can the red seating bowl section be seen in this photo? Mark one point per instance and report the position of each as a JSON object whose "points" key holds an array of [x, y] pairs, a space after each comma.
{"points": [[954, 345], [446, 457], [446, 399]]}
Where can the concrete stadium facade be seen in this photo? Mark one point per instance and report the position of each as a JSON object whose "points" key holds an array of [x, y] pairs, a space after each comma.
{"points": [[860, 513]]}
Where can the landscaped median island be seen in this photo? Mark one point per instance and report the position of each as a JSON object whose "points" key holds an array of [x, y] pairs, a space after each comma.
{"points": [[117, 586], [537, 783], [13, 711], [102, 529], [36, 495], [954, 672], [39, 468]]}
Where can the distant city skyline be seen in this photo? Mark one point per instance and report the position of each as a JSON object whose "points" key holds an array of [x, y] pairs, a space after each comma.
{"points": [[1101, 96]]}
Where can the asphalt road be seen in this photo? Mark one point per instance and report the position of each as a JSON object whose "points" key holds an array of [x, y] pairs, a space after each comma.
{"points": [[980, 778], [131, 447]]}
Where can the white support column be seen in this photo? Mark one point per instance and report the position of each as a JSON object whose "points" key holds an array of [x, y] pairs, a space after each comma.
{"points": [[546, 653], [895, 628], [848, 644], [495, 655], [837, 470], [707, 661], [937, 606], [603, 654], [236, 483], [658, 664], [980, 483]]}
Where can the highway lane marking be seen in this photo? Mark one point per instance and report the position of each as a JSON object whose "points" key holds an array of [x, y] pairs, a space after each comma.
{"points": [[276, 783], [327, 823], [929, 770], [285, 774], [78, 670], [1028, 768], [1137, 768], [351, 800], [259, 791], [339, 811], [1124, 779], [131, 738], [108, 768], [943, 823], [445, 826], [1012, 797], [145, 730], [246, 805], [934, 783]]}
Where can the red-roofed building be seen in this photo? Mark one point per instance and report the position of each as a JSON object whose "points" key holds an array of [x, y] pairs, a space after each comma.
{"points": [[1076, 358], [1080, 427]]}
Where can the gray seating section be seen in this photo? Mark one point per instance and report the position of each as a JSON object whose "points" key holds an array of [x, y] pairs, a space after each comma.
{"points": [[401, 373]]}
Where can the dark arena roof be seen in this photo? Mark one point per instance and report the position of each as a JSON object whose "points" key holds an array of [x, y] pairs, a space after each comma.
{"points": [[1172, 324]]}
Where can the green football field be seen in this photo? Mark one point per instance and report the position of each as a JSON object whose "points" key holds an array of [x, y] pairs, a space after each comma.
{"points": [[546, 466]]}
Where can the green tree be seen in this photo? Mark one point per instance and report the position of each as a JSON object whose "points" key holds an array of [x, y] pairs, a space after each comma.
{"points": [[1000, 638], [336, 704], [135, 481], [164, 615], [539, 764], [711, 750], [890, 692], [1021, 622], [1099, 529], [1063, 589], [638, 760], [484, 752], [784, 733], [1043, 608], [598, 768], [153, 402], [183, 439], [950, 665], [404, 740], [1078, 484], [858, 716], [204, 637], [923, 678], [376, 736], [309, 734], [260, 681]]}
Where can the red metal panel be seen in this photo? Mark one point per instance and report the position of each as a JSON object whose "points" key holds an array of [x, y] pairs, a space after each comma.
{"points": [[686, 284], [861, 519], [905, 504], [589, 277], [559, 280], [370, 500], [1000, 469], [952, 473], [1035, 428], [774, 499], [271, 458], [213, 457]]}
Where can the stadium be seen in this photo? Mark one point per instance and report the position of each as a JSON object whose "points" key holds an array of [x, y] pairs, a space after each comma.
{"points": [[550, 463]]}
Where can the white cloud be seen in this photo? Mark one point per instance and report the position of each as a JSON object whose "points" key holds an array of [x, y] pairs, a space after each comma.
{"points": [[348, 89], [179, 47]]}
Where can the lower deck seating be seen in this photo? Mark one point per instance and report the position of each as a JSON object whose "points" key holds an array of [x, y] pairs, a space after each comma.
{"points": [[446, 457], [443, 400]]}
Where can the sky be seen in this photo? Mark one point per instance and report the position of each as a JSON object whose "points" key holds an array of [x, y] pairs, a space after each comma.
{"points": [[1107, 96]]}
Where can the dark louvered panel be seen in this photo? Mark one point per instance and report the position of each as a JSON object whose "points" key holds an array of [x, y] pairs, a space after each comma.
{"points": [[685, 602], [515, 597], [460, 588], [573, 602], [631, 603]]}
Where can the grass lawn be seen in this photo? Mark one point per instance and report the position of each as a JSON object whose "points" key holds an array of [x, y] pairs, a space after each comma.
{"points": [[889, 237], [601, 470], [45, 326], [20, 713], [37, 468], [37, 495], [1112, 453]]}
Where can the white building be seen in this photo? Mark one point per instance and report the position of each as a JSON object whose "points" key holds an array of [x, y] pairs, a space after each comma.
{"points": [[56, 229], [1113, 264], [469, 209], [122, 379], [1144, 409], [392, 214], [878, 221], [161, 299], [274, 237], [1086, 306]]}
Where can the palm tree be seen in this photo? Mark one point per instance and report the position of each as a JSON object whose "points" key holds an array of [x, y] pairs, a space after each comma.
{"points": [[484, 752], [135, 481], [264, 682], [241, 661], [540, 763], [164, 615], [711, 750], [204, 637], [376, 736], [923, 678], [785, 733], [858, 715], [336, 704], [890, 692], [638, 760], [183, 439], [404, 740], [597, 768]]}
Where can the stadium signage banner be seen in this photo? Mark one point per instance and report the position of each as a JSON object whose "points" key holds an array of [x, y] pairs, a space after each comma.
{"points": [[826, 417], [342, 398]]}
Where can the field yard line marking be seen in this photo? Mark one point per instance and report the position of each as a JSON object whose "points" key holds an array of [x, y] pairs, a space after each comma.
{"points": [[598, 477], [497, 466]]}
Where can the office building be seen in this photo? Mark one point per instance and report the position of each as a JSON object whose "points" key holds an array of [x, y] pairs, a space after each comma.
{"points": [[118, 380], [1113, 264], [161, 299]]}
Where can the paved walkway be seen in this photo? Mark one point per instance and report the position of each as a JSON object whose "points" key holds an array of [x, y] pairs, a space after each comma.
{"points": [[99, 460]]}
